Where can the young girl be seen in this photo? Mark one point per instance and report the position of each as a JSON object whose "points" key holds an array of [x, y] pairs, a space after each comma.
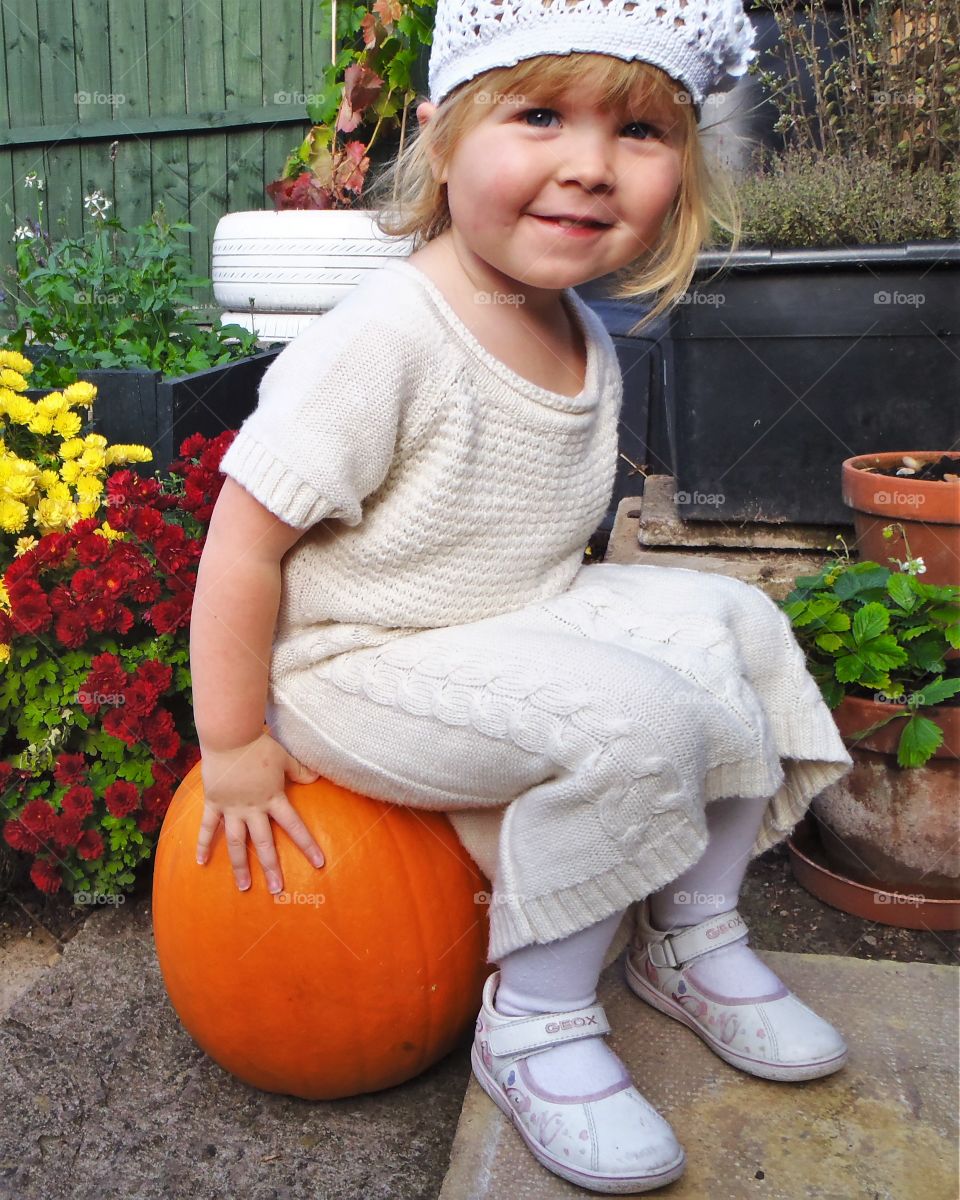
{"points": [[393, 577]]}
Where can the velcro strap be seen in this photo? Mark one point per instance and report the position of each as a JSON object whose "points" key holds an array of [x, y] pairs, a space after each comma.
{"points": [[546, 1029], [677, 949]]}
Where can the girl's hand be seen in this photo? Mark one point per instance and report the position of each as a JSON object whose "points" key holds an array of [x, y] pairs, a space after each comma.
{"points": [[245, 786]]}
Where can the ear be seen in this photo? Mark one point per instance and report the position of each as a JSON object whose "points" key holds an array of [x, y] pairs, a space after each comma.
{"points": [[425, 114]]}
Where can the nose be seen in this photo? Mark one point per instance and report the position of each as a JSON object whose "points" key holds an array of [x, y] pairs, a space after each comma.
{"points": [[587, 159]]}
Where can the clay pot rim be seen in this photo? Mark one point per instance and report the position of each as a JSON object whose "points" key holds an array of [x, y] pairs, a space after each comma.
{"points": [[858, 462], [947, 716], [940, 498]]}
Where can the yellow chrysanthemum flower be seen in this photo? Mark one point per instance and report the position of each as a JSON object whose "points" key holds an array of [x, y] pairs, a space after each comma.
{"points": [[71, 448], [4, 653], [89, 486], [80, 392], [52, 515], [68, 424], [70, 472], [5, 598], [51, 404], [95, 439], [13, 515], [59, 491], [18, 486], [15, 361], [22, 545], [88, 508], [47, 479], [112, 535], [19, 409], [92, 459], [128, 454], [12, 379], [39, 423]]}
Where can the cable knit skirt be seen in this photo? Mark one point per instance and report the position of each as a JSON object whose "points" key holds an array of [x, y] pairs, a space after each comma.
{"points": [[575, 742]]}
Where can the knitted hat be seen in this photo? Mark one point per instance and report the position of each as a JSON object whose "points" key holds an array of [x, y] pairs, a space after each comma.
{"points": [[705, 46]]}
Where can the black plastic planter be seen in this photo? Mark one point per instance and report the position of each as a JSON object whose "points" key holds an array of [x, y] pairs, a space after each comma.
{"points": [[793, 360], [140, 406]]}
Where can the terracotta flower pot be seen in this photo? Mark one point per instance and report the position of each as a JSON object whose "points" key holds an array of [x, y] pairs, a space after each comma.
{"points": [[929, 511], [888, 827]]}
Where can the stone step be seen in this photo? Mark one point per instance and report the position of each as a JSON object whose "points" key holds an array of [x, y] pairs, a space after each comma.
{"points": [[885, 1125]]}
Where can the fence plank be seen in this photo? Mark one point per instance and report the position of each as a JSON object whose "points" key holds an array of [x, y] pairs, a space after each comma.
{"points": [[129, 51], [168, 96], [57, 81], [92, 35]]}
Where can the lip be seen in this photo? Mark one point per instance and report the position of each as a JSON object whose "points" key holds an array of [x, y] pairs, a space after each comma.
{"points": [[578, 231]]}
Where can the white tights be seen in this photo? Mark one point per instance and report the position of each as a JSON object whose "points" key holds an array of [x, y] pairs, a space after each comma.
{"points": [[562, 975]]}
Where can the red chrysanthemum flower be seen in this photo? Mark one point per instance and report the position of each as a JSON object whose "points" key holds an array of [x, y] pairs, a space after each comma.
{"points": [[78, 801], [46, 875], [122, 798], [70, 768], [17, 835], [67, 831], [156, 674], [40, 819], [123, 725], [90, 844]]}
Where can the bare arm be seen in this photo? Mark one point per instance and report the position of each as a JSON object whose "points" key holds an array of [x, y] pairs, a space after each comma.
{"points": [[231, 636], [233, 619]]}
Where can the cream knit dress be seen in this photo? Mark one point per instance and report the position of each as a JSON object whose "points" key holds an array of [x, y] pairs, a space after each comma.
{"points": [[440, 645]]}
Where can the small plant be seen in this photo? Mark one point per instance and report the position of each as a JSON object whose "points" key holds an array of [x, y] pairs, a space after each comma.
{"points": [[365, 83], [869, 631], [96, 727], [113, 298]]}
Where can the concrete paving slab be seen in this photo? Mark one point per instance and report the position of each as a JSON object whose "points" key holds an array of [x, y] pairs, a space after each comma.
{"points": [[884, 1127], [105, 1096]]}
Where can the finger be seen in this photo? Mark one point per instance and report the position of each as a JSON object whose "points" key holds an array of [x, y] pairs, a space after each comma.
{"points": [[287, 816], [208, 827], [299, 772], [262, 837], [236, 836]]}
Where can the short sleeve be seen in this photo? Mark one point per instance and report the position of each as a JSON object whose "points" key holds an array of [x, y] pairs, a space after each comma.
{"points": [[324, 432]]}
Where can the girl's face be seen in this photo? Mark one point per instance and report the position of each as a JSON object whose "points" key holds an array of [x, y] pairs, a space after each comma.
{"points": [[523, 166]]}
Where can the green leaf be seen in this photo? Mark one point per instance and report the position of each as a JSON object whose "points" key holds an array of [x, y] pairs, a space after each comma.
{"points": [[938, 691], [920, 738], [901, 591], [870, 621], [829, 642]]}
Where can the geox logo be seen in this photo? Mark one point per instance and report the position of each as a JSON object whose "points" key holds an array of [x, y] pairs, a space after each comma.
{"points": [[718, 929], [573, 1023]]}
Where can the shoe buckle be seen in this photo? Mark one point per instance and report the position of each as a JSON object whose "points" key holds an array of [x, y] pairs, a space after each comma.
{"points": [[661, 952]]}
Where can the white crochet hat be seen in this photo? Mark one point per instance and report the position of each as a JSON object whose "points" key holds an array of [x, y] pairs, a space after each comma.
{"points": [[703, 44]]}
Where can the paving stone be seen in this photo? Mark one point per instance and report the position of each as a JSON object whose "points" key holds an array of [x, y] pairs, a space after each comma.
{"points": [[884, 1127]]}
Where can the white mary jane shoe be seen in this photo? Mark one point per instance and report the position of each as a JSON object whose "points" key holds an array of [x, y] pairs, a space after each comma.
{"points": [[773, 1036], [610, 1140]]}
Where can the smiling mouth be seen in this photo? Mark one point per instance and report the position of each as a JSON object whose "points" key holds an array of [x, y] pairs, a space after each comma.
{"points": [[567, 223]]}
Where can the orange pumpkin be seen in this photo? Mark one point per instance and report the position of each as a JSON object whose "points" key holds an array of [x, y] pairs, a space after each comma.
{"points": [[359, 975]]}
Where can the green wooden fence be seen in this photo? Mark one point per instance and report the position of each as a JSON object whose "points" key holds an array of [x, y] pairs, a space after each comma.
{"points": [[193, 102]]}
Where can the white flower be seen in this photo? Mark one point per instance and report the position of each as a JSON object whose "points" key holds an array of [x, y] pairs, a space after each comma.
{"points": [[22, 233], [913, 566], [33, 180], [96, 203]]}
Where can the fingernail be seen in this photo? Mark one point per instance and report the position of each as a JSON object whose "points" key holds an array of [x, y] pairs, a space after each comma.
{"points": [[200, 860], [244, 883], [317, 860], [273, 881]]}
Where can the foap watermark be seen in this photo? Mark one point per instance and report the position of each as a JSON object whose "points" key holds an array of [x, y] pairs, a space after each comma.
{"points": [[698, 898], [910, 299], [499, 98], [499, 298], [711, 499], [314, 899], [907, 700], [915, 98], [98, 698], [714, 299], [113, 99], [898, 898], [498, 898], [97, 898], [908, 499], [299, 99]]}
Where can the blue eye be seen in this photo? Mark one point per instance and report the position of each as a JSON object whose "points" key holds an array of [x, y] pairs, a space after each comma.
{"points": [[533, 112]]}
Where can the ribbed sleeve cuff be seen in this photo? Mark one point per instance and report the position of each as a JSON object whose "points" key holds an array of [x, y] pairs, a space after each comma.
{"points": [[273, 483]]}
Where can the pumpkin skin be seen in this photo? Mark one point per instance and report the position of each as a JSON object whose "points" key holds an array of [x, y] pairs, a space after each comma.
{"points": [[358, 976]]}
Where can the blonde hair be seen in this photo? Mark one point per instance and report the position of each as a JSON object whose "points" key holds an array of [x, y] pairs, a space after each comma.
{"points": [[409, 201]]}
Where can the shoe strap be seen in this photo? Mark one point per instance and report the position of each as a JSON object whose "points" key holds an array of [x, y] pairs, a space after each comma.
{"points": [[547, 1029], [677, 949]]}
